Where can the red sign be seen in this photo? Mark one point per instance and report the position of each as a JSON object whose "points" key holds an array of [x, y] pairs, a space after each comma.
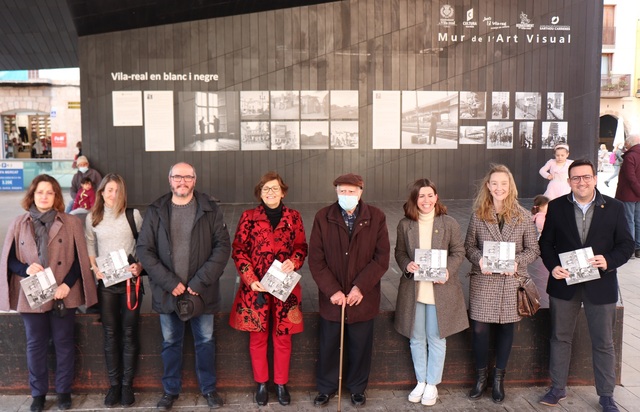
{"points": [[58, 140]]}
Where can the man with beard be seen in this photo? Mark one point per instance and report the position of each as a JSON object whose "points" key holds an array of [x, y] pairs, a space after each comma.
{"points": [[184, 246]]}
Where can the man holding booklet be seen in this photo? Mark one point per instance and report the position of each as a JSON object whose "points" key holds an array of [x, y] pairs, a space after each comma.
{"points": [[584, 218]]}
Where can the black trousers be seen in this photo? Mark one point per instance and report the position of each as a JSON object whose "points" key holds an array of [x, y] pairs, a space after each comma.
{"points": [[120, 327], [358, 348]]}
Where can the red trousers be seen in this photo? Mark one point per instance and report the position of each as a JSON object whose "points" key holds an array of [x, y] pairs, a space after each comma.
{"points": [[281, 356]]}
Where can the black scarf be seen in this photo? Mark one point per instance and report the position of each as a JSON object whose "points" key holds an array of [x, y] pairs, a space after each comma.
{"points": [[274, 215], [41, 224]]}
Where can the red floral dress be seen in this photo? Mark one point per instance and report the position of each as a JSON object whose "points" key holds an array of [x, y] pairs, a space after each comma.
{"points": [[255, 247]]}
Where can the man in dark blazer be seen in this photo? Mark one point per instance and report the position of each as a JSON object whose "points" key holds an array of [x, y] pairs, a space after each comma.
{"points": [[348, 255], [584, 218]]}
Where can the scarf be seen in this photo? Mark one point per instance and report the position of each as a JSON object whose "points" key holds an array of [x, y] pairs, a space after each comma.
{"points": [[41, 224]]}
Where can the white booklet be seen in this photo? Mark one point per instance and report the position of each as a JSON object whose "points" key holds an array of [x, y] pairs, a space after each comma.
{"points": [[433, 265], [279, 283], [499, 257], [115, 267], [39, 288], [576, 262]]}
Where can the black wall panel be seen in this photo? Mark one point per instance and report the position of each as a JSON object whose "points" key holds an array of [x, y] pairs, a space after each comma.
{"points": [[362, 45]]}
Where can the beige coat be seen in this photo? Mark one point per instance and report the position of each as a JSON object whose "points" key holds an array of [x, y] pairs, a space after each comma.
{"points": [[65, 230], [492, 298], [449, 298]]}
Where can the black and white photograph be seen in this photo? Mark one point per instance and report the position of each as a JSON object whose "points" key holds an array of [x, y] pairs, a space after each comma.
{"points": [[553, 134], [473, 105], [114, 266], [525, 135], [314, 135], [499, 257], [279, 283], [500, 105], [254, 105], [344, 134], [314, 104], [344, 104], [429, 120], [528, 106], [208, 121], [39, 288], [433, 265], [255, 136], [577, 264], [499, 135], [285, 105], [285, 135], [472, 135], [555, 106]]}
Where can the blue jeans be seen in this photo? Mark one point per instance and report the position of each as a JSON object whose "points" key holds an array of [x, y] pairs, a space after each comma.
{"points": [[173, 336], [428, 349], [632, 213]]}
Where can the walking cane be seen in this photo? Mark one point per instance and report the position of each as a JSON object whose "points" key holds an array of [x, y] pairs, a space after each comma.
{"points": [[341, 354]]}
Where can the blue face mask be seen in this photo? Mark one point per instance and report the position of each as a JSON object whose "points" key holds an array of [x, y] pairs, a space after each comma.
{"points": [[347, 202], [83, 169]]}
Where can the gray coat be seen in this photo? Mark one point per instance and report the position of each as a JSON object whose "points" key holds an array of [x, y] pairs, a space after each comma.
{"points": [[450, 307], [492, 298]]}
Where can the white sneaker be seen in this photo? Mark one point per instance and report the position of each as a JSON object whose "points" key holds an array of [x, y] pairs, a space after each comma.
{"points": [[430, 395], [416, 393]]}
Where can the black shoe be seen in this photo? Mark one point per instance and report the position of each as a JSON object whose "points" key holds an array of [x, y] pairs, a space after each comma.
{"points": [[358, 399], [213, 400], [283, 395], [497, 393], [38, 403], [262, 394], [113, 396], [127, 398], [323, 398], [166, 402], [64, 401], [481, 384]]}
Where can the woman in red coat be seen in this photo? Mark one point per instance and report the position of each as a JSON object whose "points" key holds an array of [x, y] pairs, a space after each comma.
{"points": [[270, 231]]}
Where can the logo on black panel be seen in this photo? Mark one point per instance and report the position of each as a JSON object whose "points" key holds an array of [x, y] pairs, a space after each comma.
{"points": [[447, 14]]}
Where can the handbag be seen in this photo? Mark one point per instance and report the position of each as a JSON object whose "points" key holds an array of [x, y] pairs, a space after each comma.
{"points": [[528, 297]]}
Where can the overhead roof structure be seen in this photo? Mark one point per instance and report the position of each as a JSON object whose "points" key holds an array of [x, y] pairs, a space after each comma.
{"points": [[43, 34]]}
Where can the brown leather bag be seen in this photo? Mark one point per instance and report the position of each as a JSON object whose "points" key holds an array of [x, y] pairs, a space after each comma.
{"points": [[528, 297]]}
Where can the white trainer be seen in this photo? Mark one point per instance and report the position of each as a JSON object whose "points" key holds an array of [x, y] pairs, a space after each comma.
{"points": [[416, 393], [430, 395]]}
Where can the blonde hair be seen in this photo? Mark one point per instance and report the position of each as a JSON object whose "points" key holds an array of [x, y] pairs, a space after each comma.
{"points": [[483, 203]]}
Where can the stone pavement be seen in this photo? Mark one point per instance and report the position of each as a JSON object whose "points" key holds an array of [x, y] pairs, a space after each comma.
{"points": [[580, 398]]}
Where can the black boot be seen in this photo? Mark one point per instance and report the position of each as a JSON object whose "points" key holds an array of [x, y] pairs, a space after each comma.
{"points": [[262, 394], [497, 394], [480, 386], [113, 396], [283, 395], [38, 403]]}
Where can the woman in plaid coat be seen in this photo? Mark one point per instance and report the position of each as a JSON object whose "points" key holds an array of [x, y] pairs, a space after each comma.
{"points": [[270, 231], [497, 217]]}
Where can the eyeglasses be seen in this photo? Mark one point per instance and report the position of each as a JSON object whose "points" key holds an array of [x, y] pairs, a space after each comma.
{"points": [[274, 189], [178, 178], [585, 178]]}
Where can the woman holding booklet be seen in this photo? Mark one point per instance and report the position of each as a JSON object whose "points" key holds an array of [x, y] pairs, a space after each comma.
{"points": [[427, 311], [47, 238], [497, 217], [109, 230], [267, 233]]}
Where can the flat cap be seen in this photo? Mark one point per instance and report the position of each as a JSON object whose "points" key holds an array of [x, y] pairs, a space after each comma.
{"points": [[349, 179], [82, 159]]}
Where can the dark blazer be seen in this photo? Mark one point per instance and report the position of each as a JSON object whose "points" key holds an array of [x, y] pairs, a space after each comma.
{"points": [[449, 298], [209, 253], [608, 236], [338, 263]]}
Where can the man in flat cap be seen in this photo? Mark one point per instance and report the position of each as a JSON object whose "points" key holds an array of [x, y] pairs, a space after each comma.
{"points": [[348, 255]]}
